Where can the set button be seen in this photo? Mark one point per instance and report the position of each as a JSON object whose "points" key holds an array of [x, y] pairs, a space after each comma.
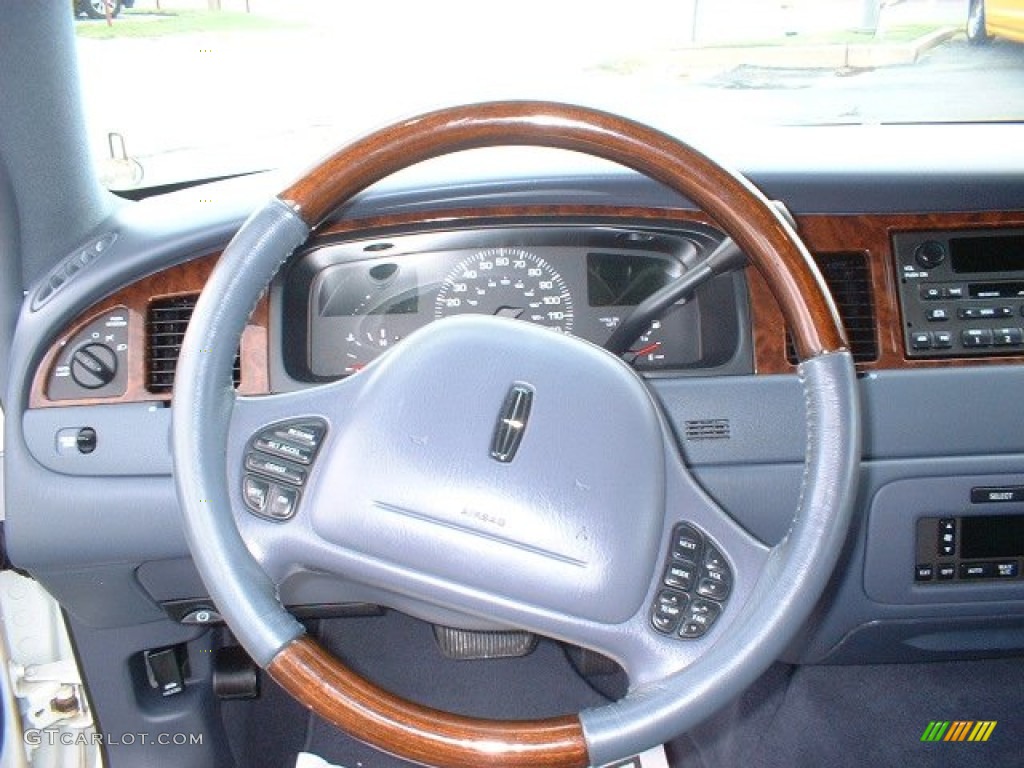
{"points": [[277, 463]]}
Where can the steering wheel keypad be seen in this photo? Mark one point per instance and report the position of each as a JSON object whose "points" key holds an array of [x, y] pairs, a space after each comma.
{"points": [[695, 584], [277, 463]]}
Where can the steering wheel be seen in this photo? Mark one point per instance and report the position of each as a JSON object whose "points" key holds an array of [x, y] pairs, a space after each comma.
{"points": [[496, 469]]}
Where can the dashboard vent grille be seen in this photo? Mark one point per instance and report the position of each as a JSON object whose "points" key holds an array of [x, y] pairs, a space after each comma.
{"points": [[848, 277], [165, 328]]}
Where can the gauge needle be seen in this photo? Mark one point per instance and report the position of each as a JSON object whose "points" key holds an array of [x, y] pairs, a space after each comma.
{"points": [[646, 350], [514, 312]]}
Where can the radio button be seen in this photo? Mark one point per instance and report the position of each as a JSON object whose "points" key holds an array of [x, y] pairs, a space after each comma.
{"points": [[931, 292], [942, 339], [976, 337], [954, 292], [937, 315], [1007, 337], [921, 340], [984, 313]]}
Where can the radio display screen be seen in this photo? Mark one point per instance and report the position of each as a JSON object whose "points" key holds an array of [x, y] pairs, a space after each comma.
{"points": [[987, 254], [992, 536]]}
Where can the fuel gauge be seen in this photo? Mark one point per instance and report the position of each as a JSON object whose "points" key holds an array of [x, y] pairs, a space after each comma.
{"points": [[671, 341], [648, 351]]}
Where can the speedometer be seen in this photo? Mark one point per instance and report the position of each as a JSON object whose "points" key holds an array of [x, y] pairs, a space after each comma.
{"points": [[507, 282]]}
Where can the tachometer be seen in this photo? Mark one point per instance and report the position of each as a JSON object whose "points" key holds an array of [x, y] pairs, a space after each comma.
{"points": [[508, 282]]}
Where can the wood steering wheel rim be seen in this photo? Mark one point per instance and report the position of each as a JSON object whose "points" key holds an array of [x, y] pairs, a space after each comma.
{"points": [[301, 666]]}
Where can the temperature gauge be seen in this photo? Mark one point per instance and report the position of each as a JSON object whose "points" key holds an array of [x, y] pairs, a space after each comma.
{"points": [[363, 346]]}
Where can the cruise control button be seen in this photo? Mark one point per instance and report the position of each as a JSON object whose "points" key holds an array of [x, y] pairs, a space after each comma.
{"points": [[275, 469], [686, 543], [283, 501], [285, 450], [680, 575], [307, 434], [256, 491]]}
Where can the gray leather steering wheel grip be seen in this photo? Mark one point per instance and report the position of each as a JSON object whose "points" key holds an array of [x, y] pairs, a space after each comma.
{"points": [[677, 690]]}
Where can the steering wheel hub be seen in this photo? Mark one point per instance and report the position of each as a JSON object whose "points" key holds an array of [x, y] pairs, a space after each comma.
{"points": [[572, 521]]}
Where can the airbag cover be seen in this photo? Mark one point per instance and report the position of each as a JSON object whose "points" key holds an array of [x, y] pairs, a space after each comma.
{"points": [[571, 523]]}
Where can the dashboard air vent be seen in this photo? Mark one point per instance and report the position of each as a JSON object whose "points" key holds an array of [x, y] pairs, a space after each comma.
{"points": [[848, 277], [165, 328]]}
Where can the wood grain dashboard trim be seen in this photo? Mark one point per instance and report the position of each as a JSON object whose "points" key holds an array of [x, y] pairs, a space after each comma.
{"points": [[870, 234], [181, 280]]}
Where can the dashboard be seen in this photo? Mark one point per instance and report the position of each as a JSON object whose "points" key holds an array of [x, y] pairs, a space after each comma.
{"points": [[577, 262]]}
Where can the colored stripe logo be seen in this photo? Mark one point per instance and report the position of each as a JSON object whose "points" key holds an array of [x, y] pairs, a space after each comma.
{"points": [[959, 730]]}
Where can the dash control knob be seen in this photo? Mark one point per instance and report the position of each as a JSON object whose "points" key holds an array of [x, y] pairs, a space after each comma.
{"points": [[93, 365], [930, 254]]}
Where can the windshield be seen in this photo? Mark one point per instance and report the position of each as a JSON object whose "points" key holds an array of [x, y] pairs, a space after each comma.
{"points": [[177, 90]]}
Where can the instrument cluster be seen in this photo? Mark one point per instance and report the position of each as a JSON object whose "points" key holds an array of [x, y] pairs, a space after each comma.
{"points": [[347, 303]]}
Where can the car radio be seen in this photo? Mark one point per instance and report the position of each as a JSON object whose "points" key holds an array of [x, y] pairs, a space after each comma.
{"points": [[961, 292]]}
